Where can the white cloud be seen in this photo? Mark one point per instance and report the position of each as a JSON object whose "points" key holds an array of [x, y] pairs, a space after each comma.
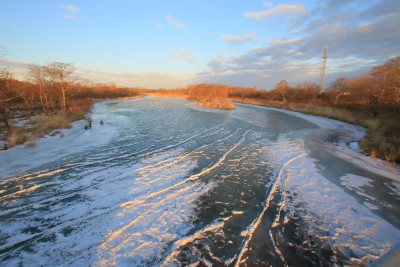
{"points": [[175, 23], [72, 11], [183, 55], [280, 41], [282, 9], [158, 25], [152, 80], [235, 40]]}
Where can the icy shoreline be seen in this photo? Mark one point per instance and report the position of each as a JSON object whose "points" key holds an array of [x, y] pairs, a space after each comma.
{"points": [[18, 159], [346, 150]]}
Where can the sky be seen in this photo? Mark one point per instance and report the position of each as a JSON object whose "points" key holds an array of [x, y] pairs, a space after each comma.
{"points": [[174, 43]]}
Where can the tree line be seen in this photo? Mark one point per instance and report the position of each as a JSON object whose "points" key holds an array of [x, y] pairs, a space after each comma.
{"points": [[378, 88], [53, 88], [51, 91]]}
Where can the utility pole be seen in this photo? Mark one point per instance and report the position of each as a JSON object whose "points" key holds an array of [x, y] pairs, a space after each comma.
{"points": [[322, 78]]}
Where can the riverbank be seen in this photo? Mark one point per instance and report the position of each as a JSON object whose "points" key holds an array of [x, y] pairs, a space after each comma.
{"points": [[381, 140], [67, 141], [27, 127]]}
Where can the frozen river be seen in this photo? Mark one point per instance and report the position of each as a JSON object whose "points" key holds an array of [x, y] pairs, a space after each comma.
{"points": [[164, 183]]}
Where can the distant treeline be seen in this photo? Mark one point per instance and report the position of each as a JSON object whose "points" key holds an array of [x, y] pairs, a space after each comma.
{"points": [[379, 88]]}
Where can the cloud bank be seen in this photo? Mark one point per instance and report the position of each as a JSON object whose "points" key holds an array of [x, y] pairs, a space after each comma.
{"points": [[282, 9], [359, 35], [236, 40]]}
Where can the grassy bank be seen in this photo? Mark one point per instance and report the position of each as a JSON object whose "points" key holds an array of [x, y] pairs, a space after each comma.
{"points": [[25, 129], [383, 131], [27, 123], [25, 126]]}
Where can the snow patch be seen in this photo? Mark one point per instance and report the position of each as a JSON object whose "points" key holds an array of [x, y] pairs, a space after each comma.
{"points": [[20, 159], [351, 225]]}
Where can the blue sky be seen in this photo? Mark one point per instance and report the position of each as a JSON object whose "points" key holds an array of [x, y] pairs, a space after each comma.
{"points": [[173, 43]]}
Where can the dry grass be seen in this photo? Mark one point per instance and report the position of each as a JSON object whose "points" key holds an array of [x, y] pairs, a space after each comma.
{"points": [[77, 115], [383, 137], [18, 135], [39, 126], [45, 124], [217, 105]]}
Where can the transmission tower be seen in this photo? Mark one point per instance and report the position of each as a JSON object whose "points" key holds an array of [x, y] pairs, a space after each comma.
{"points": [[322, 78]]}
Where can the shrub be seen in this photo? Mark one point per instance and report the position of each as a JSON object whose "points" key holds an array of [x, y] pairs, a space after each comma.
{"points": [[17, 136]]}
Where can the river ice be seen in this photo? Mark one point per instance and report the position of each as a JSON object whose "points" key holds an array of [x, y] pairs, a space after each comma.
{"points": [[164, 183]]}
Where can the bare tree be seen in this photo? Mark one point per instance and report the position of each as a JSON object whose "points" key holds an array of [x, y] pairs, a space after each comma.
{"points": [[282, 88], [341, 87], [3, 70], [208, 93], [37, 75], [5, 78], [26, 93], [5, 93], [387, 81], [5, 86], [60, 74], [308, 86]]}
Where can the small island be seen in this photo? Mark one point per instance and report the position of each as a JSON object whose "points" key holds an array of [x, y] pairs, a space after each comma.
{"points": [[210, 96]]}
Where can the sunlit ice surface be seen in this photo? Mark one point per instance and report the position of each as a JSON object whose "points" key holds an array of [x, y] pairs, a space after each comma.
{"points": [[165, 183]]}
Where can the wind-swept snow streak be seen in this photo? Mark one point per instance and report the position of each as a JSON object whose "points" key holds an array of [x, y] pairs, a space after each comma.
{"points": [[182, 242], [185, 140], [252, 228], [127, 239], [166, 163], [192, 178]]}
